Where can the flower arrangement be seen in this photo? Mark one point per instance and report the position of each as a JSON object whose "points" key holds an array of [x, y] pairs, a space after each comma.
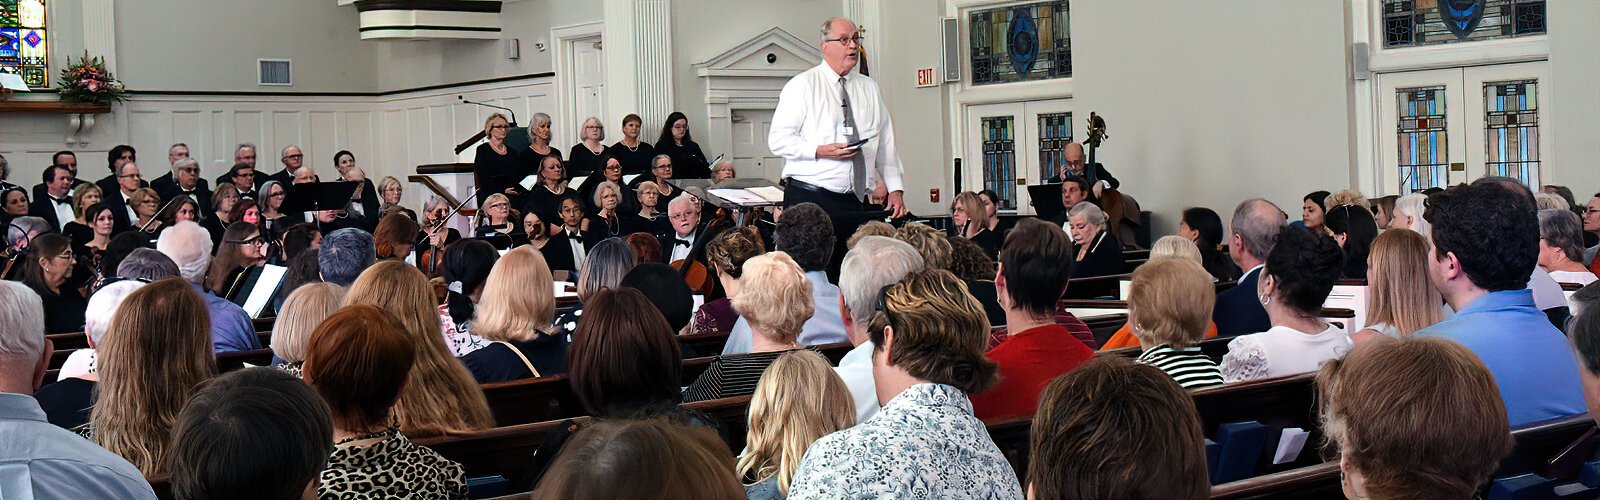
{"points": [[88, 81]]}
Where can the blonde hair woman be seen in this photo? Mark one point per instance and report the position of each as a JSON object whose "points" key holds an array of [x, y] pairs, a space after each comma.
{"points": [[1175, 246], [305, 308], [441, 397], [515, 315], [157, 349], [495, 162], [587, 157], [972, 222], [798, 400], [1169, 308], [1399, 300], [775, 299]]}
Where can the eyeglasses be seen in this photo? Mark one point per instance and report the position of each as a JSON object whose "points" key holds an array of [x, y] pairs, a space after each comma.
{"points": [[847, 41], [65, 256], [883, 304], [499, 206], [499, 127], [594, 127], [190, 170], [682, 216], [256, 240]]}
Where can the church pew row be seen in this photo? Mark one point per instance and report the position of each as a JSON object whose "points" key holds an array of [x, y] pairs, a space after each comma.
{"points": [[78, 340], [1110, 287], [226, 362], [551, 398]]}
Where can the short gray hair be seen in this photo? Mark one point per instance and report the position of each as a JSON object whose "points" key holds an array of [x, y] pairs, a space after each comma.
{"points": [[1413, 205], [1548, 201], [243, 146], [103, 306], [828, 26], [148, 265], [1173, 245], [600, 189], [1258, 223], [22, 227], [1560, 228], [189, 246], [657, 158], [184, 162], [875, 262], [538, 119], [1091, 213], [345, 254], [681, 199], [21, 326], [603, 268]]}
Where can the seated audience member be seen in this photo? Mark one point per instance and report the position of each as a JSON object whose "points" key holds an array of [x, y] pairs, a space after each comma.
{"points": [[1178, 247], [121, 246], [1398, 304], [305, 308], [253, 433], [1169, 308], [147, 265], [773, 304], [1168, 247], [440, 396], [1382, 407], [726, 255], [1383, 210], [1032, 279], [1354, 229], [665, 288], [1591, 229], [498, 223], [646, 247], [871, 228], [155, 353], [1312, 209], [395, 236], [1114, 415], [1256, 225], [975, 268], [361, 361], [1408, 214], [344, 254], [467, 265], [516, 316], [49, 264], [608, 263], [798, 400], [650, 458], [1203, 226], [242, 248], [299, 238], [1346, 197], [1485, 245], [1098, 254], [40, 459], [936, 254], [925, 441], [873, 262], [1547, 294], [68, 400], [188, 246], [972, 222], [805, 233], [1561, 247], [1585, 332], [1296, 281]]}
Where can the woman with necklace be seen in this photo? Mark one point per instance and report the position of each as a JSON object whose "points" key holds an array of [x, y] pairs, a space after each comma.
{"points": [[538, 145], [676, 143], [633, 153], [496, 167], [588, 156], [545, 199]]}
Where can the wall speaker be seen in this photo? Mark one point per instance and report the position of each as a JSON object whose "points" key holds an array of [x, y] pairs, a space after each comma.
{"points": [[950, 31], [1358, 61]]}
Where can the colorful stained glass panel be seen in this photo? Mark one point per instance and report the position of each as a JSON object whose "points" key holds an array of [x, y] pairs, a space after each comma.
{"points": [[1019, 43], [1422, 142], [1412, 23], [24, 41], [1055, 132], [1511, 129], [1000, 158]]}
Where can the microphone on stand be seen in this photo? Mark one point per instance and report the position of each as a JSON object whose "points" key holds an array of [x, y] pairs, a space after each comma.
{"points": [[508, 110]]}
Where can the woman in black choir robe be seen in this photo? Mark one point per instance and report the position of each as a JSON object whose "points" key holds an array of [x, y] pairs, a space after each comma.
{"points": [[588, 156], [633, 153], [496, 167], [675, 142], [612, 172], [652, 210], [611, 220], [78, 229], [538, 145], [498, 224], [545, 199], [660, 174]]}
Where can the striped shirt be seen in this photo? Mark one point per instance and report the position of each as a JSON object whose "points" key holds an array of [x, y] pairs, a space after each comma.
{"points": [[1188, 366], [730, 376]]}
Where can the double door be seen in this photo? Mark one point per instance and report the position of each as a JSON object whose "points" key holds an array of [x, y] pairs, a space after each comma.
{"points": [[1013, 145], [1438, 128]]}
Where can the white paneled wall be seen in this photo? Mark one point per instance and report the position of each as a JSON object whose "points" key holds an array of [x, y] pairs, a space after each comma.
{"points": [[390, 134]]}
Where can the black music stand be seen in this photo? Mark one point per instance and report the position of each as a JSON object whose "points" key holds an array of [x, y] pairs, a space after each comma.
{"points": [[1047, 201], [318, 196]]}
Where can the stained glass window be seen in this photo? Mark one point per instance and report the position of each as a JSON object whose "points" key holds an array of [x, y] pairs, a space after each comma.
{"points": [[22, 41], [1410, 23], [1511, 119], [1020, 43], [1423, 145], [1055, 132], [1000, 158]]}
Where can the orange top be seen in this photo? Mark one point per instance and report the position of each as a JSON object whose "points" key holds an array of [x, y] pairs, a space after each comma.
{"points": [[1124, 337]]}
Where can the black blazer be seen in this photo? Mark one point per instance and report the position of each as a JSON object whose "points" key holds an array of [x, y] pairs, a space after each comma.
{"points": [[283, 177], [1096, 172], [1238, 311], [1104, 258], [44, 208], [558, 253], [119, 208], [168, 189]]}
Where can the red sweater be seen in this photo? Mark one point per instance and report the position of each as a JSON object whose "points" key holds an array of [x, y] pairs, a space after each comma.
{"points": [[1028, 360]]}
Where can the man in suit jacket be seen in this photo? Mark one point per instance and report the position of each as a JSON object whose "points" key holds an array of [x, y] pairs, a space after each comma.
{"points": [[685, 221], [66, 159], [1256, 225], [126, 180], [55, 206], [183, 180], [1099, 178], [292, 159], [121, 155]]}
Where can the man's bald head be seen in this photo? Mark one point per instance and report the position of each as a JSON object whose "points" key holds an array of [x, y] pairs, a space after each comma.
{"points": [[1257, 222]]}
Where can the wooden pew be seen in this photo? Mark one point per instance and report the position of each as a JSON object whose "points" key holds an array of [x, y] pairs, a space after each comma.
{"points": [[79, 339], [703, 344], [1096, 287]]}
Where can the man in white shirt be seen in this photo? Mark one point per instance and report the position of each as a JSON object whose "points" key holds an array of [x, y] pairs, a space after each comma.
{"points": [[822, 115], [56, 205], [875, 262], [685, 227]]}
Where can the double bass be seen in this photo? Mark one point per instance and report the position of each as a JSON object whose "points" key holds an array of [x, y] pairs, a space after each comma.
{"points": [[1119, 209]]}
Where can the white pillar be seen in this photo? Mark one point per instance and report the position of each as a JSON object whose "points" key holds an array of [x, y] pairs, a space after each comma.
{"points": [[638, 48]]}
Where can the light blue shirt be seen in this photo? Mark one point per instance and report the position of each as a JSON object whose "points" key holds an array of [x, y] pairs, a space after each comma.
{"points": [[825, 326], [1530, 359], [856, 371], [41, 461], [231, 328]]}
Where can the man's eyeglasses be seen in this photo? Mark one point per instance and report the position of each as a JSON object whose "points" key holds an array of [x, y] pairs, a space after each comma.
{"points": [[681, 217], [883, 303], [257, 240], [847, 41], [190, 170]]}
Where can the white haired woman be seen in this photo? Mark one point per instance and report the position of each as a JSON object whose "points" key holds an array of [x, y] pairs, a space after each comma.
{"points": [[1098, 253], [775, 299]]}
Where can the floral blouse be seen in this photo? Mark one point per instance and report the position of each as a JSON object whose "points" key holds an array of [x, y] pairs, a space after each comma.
{"points": [[458, 336], [924, 443], [714, 317]]}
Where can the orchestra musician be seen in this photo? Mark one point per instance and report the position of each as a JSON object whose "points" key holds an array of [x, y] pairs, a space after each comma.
{"points": [[1099, 179]]}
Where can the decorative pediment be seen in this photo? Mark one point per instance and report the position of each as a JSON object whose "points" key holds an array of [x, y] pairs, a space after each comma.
{"points": [[773, 53], [428, 19]]}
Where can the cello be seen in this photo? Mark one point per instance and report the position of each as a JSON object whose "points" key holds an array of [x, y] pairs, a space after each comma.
{"points": [[431, 260], [695, 274]]}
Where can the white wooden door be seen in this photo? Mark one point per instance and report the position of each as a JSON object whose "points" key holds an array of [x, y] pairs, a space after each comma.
{"points": [[589, 80], [1014, 145], [751, 156], [1442, 127], [1504, 112]]}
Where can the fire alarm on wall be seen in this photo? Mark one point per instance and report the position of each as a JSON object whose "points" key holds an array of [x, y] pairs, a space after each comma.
{"points": [[933, 195]]}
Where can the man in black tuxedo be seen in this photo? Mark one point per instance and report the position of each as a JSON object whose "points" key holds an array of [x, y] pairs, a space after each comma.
{"points": [[685, 221], [121, 155], [292, 160], [1097, 175], [1256, 224], [55, 207], [125, 180], [66, 159], [183, 180], [243, 177]]}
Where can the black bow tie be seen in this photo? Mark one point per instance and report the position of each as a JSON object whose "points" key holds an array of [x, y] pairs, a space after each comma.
{"points": [[572, 234], [62, 201], [682, 242]]}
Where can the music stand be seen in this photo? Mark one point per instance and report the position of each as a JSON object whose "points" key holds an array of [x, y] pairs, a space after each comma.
{"points": [[1047, 201], [318, 196]]}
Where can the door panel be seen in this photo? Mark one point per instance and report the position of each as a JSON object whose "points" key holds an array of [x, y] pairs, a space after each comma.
{"points": [[751, 156], [1014, 145], [1442, 127]]}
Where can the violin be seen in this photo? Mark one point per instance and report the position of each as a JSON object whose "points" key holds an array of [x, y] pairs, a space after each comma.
{"points": [[432, 259]]}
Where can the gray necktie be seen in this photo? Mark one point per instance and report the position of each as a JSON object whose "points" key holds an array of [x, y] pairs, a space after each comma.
{"points": [[858, 178]]}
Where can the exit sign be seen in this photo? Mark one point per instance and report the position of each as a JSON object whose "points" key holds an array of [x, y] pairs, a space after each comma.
{"points": [[925, 77]]}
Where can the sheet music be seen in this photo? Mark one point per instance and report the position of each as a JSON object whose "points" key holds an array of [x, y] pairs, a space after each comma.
{"points": [[738, 196], [561, 290], [770, 193], [628, 179], [529, 182], [266, 288], [13, 81]]}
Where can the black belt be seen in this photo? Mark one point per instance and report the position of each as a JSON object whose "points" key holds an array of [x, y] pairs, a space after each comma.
{"points": [[792, 183]]}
